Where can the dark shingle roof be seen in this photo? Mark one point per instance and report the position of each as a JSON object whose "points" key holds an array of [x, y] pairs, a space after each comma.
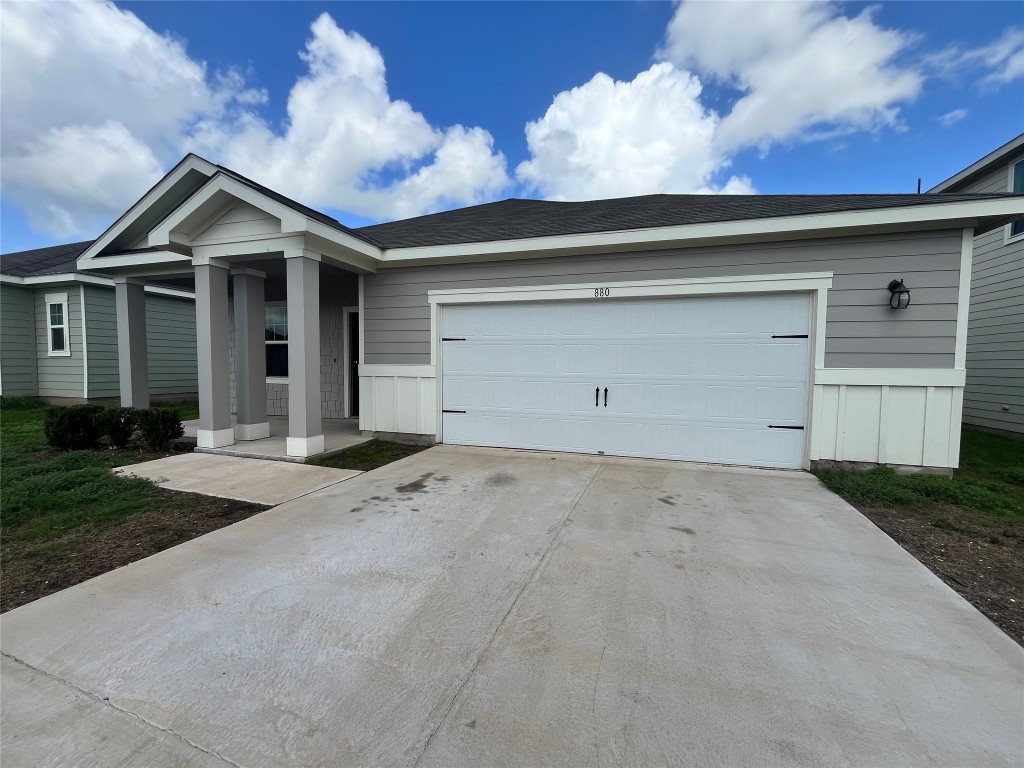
{"points": [[55, 260], [516, 219]]}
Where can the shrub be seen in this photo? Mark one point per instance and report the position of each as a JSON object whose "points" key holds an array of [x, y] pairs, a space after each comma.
{"points": [[118, 424], [72, 428], [159, 427]]}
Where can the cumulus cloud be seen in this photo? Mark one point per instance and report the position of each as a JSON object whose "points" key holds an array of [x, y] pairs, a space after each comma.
{"points": [[803, 70], [97, 105], [609, 138]]}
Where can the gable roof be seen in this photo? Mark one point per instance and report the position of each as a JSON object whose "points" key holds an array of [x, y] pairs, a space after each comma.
{"points": [[981, 166], [517, 219], [54, 260]]}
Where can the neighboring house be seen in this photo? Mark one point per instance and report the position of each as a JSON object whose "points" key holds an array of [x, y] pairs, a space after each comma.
{"points": [[58, 333], [753, 330], [994, 395]]}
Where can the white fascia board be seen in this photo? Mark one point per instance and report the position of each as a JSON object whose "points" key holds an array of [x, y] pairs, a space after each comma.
{"points": [[190, 163], [249, 246], [952, 214], [105, 282], [990, 159], [143, 259], [343, 239]]}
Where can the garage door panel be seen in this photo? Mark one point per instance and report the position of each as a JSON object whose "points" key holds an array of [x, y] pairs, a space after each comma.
{"points": [[698, 378]]}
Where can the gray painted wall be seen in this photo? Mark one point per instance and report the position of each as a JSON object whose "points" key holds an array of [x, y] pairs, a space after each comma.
{"points": [[170, 339], [861, 332], [60, 376], [17, 341], [995, 333]]}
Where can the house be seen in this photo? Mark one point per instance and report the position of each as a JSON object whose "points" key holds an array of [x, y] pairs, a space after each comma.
{"points": [[994, 393], [757, 330], [58, 331]]}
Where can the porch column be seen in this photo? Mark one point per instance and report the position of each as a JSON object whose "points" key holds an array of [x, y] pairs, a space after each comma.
{"points": [[212, 336], [305, 431], [132, 362], [250, 356]]}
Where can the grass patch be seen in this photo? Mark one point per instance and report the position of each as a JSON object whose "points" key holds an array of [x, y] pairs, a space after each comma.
{"points": [[989, 486], [373, 454]]}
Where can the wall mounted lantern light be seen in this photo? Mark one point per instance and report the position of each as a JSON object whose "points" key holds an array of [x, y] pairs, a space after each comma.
{"points": [[899, 295]]}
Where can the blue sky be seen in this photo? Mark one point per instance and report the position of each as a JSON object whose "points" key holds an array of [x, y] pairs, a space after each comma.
{"points": [[373, 111]]}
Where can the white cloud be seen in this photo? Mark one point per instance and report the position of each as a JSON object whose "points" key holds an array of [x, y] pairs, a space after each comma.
{"points": [[952, 117], [996, 64], [803, 70], [97, 104], [609, 138], [344, 132]]}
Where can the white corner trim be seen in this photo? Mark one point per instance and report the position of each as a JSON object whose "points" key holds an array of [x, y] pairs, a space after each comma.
{"points": [[399, 369], [252, 431], [214, 438], [305, 446], [85, 346], [963, 300], [891, 377], [362, 323]]}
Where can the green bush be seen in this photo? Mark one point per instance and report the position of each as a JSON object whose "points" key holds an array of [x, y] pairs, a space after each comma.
{"points": [[118, 424], [159, 428], [72, 428]]}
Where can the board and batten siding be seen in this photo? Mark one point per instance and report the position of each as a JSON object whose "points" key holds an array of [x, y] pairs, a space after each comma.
{"points": [[861, 330], [17, 342], [994, 394], [170, 340], [60, 375]]}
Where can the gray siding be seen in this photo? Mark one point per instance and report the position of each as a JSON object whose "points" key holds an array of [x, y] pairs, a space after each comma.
{"points": [[170, 338], [994, 395], [60, 376], [17, 342], [862, 332]]}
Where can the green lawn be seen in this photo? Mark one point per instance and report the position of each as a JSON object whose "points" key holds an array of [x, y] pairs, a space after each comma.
{"points": [[989, 486]]}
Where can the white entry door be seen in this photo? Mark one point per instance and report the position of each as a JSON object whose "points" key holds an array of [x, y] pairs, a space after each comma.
{"points": [[720, 379]]}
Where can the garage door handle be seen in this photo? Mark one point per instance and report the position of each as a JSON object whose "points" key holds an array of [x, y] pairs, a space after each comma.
{"points": [[777, 426], [597, 397], [606, 397]]}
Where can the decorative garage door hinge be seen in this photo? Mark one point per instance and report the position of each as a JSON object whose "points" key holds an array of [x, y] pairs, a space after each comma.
{"points": [[777, 426], [446, 338], [789, 335]]}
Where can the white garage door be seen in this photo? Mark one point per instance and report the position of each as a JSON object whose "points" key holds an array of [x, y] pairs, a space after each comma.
{"points": [[720, 379]]}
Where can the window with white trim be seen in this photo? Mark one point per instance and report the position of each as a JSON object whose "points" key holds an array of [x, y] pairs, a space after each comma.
{"points": [[275, 334], [58, 341], [1017, 185]]}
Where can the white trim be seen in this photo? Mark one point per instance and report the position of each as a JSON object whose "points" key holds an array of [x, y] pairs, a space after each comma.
{"points": [[891, 377], [277, 379], [399, 369], [252, 431], [973, 168], [146, 258], [85, 346], [1007, 236], [346, 356], [49, 300], [362, 325], [79, 279], [214, 438], [936, 210], [963, 300], [304, 446]]}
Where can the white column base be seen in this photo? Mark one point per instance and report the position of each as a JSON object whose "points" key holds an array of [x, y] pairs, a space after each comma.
{"points": [[214, 438], [305, 446], [252, 431]]}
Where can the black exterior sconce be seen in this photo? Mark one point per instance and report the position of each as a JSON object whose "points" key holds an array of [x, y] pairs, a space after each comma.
{"points": [[899, 295]]}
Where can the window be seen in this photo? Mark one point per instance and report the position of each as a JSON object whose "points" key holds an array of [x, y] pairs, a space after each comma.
{"points": [[276, 336], [1017, 185], [57, 341]]}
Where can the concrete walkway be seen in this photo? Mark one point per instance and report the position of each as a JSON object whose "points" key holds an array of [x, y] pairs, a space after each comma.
{"points": [[339, 435], [231, 477], [493, 608]]}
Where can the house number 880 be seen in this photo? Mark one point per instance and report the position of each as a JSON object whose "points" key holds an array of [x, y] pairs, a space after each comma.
{"points": [[600, 293]]}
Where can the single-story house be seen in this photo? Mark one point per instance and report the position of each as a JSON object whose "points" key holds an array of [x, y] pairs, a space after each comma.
{"points": [[58, 331], [769, 330], [994, 392]]}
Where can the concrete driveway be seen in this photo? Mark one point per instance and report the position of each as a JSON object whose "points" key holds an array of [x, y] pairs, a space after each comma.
{"points": [[482, 607]]}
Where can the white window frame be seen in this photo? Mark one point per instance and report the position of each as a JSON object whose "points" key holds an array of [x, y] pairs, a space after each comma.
{"points": [[1007, 236], [62, 300], [276, 305]]}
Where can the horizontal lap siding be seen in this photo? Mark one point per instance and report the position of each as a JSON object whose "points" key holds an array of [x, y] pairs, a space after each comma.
{"points": [[17, 342], [171, 343], [861, 329], [101, 333], [60, 376], [994, 394]]}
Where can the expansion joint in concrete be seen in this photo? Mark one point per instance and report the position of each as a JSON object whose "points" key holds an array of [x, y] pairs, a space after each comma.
{"points": [[490, 641], [103, 700]]}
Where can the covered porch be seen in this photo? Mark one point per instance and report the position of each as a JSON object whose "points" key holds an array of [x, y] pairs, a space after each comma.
{"points": [[339, 435]]}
